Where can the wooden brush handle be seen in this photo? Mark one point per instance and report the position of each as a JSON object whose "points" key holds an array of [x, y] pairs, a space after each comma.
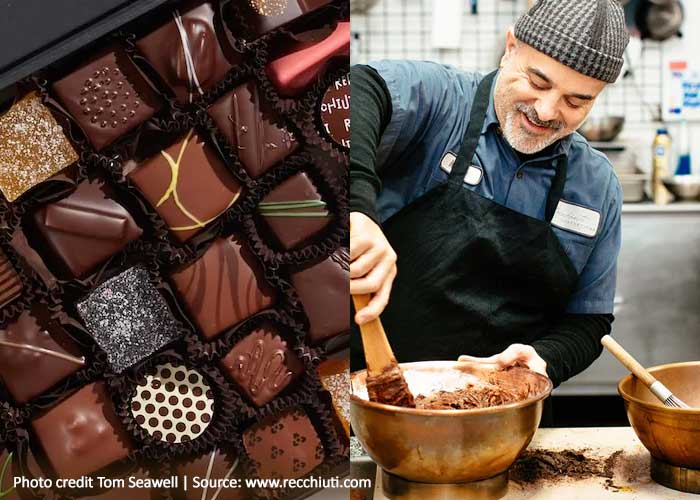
{"points": [[626, 359], [378, 353]]}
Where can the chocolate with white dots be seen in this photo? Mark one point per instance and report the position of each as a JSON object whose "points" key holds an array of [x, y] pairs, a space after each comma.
{"points": [[173, 404]]}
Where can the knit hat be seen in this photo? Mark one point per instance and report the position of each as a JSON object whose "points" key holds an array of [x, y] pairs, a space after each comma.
{"points": [[588, 36]]}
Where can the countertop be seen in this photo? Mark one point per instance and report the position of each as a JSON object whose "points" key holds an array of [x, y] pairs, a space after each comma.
{"points": [[630, 479]]}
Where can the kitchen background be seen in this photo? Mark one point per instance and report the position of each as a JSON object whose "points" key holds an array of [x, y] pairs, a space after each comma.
{"points": [[658, 295]]}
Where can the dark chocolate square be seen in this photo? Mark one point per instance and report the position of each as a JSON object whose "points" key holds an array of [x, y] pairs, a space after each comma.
{"points": [[35, 354], [128, 318], [212, 466], [253, 130], [262, 365], [10, 282], [295, 212], [324, 292], [107, 97], [82, 434], [223, 287], [85, 228], [187, 184], [284, 446], [188, 51], [262, 16]]}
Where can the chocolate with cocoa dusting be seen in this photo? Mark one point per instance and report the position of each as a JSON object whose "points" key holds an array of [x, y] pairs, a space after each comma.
{"points": [[389, 387]]}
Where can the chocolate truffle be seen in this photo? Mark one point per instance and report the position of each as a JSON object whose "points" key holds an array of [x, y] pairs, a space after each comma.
{"points": [[262, 16], [86, 228], [128, 318], [294, 211], [252, 129], [292, 73], [10, 282], [213, 466], [33, 147], [284, 446], [187, 184], [35, 354], [223, 287], [335, 111], [262, 365], [107, 97], [334, 374], [323, 289], [82, 434], [186, 53], [173, 404]]}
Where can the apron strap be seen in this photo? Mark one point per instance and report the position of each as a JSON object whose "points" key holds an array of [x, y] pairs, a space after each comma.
{"points": [[471, 136], [557, 188]]}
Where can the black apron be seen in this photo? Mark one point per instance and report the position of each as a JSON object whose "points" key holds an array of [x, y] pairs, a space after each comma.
{"points": [[473, 276]]}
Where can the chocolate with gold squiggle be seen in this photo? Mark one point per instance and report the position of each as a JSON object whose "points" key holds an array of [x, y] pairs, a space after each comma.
{"points": [[223, 287], [262, 16], [187, 184], [187, 53], [262, 365]]}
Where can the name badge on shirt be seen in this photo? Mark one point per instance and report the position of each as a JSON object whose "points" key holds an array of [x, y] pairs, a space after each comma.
{"points": [[472, 177], [577, 219]]}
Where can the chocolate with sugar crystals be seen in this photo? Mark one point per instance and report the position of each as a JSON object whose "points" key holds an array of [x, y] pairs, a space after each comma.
{"points": [[262, 16], [33, 147], [128, 318], [82, 434], [107, 97], [36, 353], [85, 228], [187, 51]]}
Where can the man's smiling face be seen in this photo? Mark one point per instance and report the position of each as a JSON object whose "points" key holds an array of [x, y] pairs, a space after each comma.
{"points": [[538, 100]]}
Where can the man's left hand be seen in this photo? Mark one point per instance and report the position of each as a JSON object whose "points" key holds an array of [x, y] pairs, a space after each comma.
{"points": [[515, 354]]}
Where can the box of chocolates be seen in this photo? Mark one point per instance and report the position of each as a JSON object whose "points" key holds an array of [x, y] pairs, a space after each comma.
{"points": [[173, 255]]}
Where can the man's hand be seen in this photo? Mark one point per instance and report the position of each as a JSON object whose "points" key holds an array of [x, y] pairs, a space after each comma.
{"points": [[515, 354], [372, 265]]}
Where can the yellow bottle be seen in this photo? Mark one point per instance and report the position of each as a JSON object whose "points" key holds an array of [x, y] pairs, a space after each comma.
{"points": [[661, 152]]}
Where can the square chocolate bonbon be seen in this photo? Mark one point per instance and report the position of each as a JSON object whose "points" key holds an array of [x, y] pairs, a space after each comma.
{"points": [[33, 147], [10, 282], [188, 185], [86, 228], [35, 354], [82, 434], [128, 318], [252, 129], [284, 446], [262, 365], [107, 97], [187, 51], [262, 16], [295, 211], [324, 294], [223, 287]]}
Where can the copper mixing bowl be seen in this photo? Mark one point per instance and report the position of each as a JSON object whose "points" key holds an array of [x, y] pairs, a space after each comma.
{"points": [[445, 446], [671, 435]]}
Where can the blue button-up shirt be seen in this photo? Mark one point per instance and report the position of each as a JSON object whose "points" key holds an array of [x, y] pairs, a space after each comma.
{"points": [[431, 106]]}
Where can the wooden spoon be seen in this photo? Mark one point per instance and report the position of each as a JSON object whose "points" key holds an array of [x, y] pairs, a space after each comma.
{"points": [[385, 382]]}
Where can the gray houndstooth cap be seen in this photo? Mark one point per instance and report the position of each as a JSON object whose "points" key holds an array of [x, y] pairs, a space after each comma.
{"points": [[588, 36]]}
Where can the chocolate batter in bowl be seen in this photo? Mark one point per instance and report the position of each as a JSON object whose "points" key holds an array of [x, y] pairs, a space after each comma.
{"points": [[440, 441]]}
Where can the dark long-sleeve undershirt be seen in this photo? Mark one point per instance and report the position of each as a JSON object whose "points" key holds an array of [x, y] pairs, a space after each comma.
{"points": [[572, 344]]}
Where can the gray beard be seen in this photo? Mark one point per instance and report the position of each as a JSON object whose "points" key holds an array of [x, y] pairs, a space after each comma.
{"points": [[521, 140]]}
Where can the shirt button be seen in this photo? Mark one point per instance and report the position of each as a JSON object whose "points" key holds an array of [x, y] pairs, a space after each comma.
{"points": [[520, 174]]}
